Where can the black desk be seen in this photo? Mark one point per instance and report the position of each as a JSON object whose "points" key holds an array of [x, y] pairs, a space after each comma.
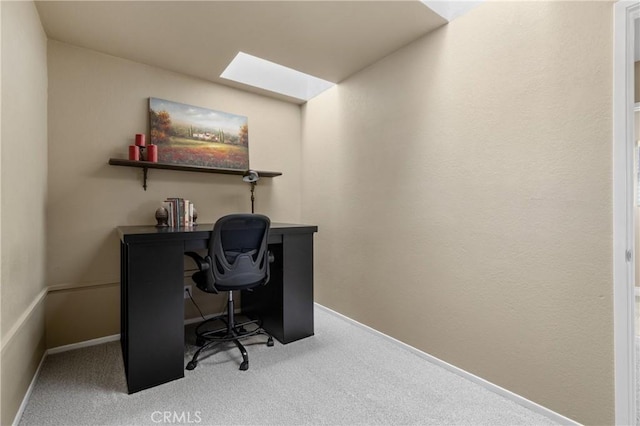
{"points": [[152, 301]]}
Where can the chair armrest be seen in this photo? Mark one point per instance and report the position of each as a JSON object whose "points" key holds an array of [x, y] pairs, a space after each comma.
{"points": [[202, 264], [204, 279], [270, 258]]}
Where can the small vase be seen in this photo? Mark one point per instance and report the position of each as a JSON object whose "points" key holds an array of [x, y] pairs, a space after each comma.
{"points": [[162, 217]]}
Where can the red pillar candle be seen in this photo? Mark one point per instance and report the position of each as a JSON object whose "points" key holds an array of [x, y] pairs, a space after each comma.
{"points": [[134, 152], [152, 153], [140, 139]]}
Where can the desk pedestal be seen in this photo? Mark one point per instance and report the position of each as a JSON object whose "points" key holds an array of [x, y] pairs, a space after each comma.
{"points": [[285, 304], [152, 313]]}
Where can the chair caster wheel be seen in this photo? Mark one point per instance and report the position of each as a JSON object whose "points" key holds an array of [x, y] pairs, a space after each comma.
{"points": [[242, 330], [191, 365], [244, 366], [270, 341], [200, 341]]}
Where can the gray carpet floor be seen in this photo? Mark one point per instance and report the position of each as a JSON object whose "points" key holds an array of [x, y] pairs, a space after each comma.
{"points": [[344, 375]]}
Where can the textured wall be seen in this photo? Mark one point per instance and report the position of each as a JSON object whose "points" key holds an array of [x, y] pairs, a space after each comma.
{"points": [[96, 104], [23, 193], [462, 186]]}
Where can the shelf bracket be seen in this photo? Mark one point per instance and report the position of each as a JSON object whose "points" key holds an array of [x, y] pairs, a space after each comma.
{"points": [[144, 177]]}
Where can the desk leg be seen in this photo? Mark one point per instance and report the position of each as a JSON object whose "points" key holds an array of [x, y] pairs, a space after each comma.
{"points": [[152, 313]]}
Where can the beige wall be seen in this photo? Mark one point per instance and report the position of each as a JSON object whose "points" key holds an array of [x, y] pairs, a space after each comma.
{"points": [[462, 188], [97, 103], [23, 194]]}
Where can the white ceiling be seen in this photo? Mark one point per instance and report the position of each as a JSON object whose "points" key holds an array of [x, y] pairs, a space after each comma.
{"points": [[327, 39]]}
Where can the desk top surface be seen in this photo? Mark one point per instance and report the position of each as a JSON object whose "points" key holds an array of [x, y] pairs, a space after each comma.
{"points": [[142, 233]]}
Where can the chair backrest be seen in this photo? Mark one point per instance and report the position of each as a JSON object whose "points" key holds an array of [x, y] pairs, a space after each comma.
{"points": [[239, 252]]}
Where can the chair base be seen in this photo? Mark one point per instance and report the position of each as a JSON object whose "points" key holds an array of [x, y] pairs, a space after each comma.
{"points": [[231, 332]]}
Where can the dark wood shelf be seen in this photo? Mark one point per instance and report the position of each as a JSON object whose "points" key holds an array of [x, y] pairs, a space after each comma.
{"points": [[145, 165]]}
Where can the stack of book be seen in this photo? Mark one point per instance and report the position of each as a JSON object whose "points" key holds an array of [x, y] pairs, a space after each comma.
{"points": [[180, 212]]}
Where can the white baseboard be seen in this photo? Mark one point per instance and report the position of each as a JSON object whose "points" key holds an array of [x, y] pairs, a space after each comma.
{"points": [[85, 344], [106, 339], [71, 347], [57, 350], [27, 394], [206, 317], [537, 408]]}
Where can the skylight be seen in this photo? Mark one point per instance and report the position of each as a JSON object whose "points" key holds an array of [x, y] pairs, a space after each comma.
{"points": [[257, 72], [451, 10]]}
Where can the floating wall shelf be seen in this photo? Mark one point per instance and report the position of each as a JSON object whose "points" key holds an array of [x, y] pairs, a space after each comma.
{"points": [[146, 165]]}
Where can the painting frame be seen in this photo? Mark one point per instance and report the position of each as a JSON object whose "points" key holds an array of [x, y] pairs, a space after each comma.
{"points": [[190, 135]]}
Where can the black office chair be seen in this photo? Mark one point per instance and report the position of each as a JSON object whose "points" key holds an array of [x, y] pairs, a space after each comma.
{"points": [[238, 259]]}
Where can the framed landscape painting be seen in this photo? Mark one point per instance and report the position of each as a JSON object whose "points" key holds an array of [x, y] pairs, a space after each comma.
{"points": [[195, 136]]}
